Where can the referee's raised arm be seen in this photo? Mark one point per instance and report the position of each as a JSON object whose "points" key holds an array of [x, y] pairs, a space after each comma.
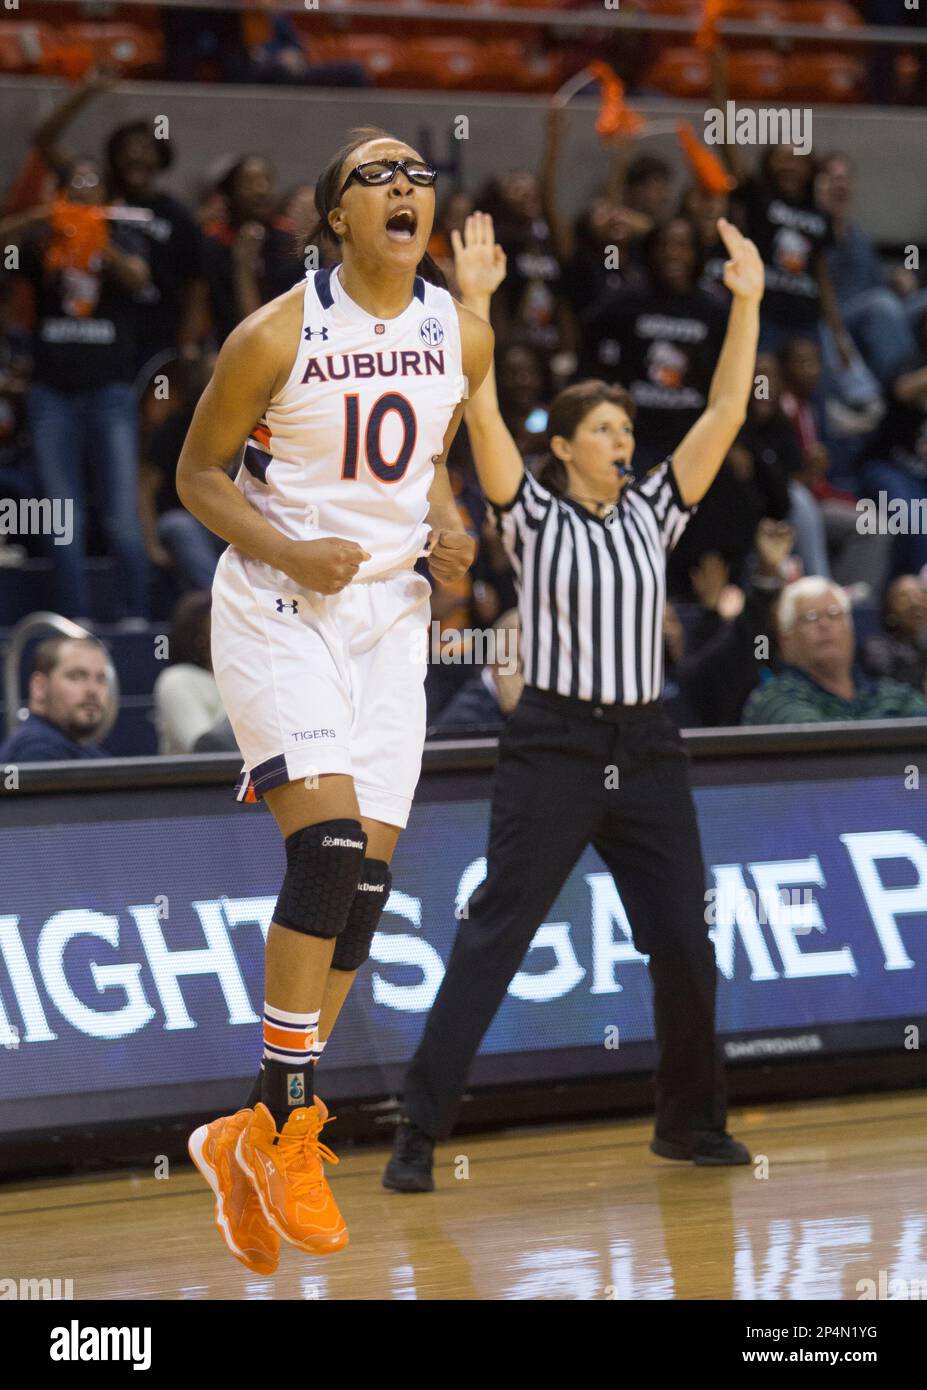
{"points": [[480, 267], [703, 450]]}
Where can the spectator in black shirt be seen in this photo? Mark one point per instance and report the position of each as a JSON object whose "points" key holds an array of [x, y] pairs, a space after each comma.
{"points": [[176, 541], [900, 650], [703, 208], [716, 677], [525, 391], [794, 236], [249, 254], [748, 488], [484, 702], [174, 317], [662, 343], [770, 438], [16, 474], [896, 464], [532, 301], [90, 277], [597, 250], [648, 187], [753, 484], [603, 256]]}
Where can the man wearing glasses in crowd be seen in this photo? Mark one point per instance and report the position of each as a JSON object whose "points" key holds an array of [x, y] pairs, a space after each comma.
{"points": [[819, 680]]}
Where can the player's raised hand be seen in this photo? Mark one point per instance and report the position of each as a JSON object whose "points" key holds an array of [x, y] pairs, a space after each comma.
{"points": [[451, 555], [326, 566], [743, 272], [479, 261]]}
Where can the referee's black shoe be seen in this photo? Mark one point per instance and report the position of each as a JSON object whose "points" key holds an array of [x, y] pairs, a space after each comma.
{"points": [[710, 1148], [409, 1168]]}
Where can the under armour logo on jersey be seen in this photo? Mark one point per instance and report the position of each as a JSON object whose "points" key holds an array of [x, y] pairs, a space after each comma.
{"points": [[283, 603], [431, 332], [323, 333]]}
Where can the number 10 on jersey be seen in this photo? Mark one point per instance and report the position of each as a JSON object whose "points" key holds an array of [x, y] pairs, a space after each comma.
{"points": [[386, 471]]}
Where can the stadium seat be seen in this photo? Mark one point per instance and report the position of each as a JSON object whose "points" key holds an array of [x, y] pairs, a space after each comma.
{"points": [[769, 13], [134, 734], [671, 8], [445, 62], [828, 76], [23, 44], [755, 74], [510, 64], [126, 47], [826, 14], [765, 12], [379, 55], [680, 72]]}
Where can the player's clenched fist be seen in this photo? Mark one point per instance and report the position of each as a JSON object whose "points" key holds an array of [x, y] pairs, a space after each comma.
{"points": [[451, 555], [325, 566]]}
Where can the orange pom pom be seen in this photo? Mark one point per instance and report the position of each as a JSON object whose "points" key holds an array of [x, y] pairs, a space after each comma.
{"points": [[614, 118], [79, 233]]}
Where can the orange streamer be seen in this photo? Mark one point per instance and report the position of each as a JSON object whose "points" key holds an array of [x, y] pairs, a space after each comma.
{"points": [[707, 37], [706, 166], [615, 117]]}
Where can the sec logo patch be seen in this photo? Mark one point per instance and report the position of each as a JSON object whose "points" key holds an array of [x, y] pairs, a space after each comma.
{"points": [[431, 332]]}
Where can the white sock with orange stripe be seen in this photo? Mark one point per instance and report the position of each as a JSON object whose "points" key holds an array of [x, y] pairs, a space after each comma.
{"points": [[289, 1037], [290, 1042]]}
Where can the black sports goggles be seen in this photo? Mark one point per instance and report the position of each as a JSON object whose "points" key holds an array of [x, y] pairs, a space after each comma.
{"points": [[380, 171]]}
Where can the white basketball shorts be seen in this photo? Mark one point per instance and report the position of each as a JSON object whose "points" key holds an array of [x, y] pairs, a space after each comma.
{"points": [[315, 684]]}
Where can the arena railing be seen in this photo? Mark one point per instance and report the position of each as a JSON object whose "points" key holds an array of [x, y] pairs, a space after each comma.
{"points": [[567, 21], [478, 754]]}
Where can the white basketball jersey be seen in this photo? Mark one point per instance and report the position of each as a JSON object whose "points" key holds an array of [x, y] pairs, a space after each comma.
{"points": [[346, 447]]}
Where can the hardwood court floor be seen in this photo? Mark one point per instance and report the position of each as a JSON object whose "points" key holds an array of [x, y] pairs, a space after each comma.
{"points": [[585, 1212]]}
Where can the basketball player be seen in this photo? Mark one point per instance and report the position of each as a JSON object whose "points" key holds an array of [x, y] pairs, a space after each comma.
{"points": [[342, 397]]}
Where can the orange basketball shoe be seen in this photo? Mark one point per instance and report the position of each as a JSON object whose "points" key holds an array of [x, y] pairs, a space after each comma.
{"points": [[286, 1172], [238, 1215]]}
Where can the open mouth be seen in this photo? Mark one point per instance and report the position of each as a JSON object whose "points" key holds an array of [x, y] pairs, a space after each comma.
{"points": [[402, 225]]}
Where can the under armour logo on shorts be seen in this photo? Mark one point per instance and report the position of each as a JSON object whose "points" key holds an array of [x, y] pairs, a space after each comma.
{"points": [[283, 603]]}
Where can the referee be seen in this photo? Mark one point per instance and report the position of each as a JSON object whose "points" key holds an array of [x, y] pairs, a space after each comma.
{"points": [[588, 545]]}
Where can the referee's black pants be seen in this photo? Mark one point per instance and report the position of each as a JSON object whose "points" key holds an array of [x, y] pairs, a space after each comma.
{"points": [[551, 799]]}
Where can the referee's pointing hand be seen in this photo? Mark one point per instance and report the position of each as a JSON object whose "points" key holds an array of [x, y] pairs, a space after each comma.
{"points": [[743, 272]]}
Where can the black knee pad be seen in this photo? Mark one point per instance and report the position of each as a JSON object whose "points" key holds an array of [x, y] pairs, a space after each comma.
{"points": [[323, 865], [353, 945]]}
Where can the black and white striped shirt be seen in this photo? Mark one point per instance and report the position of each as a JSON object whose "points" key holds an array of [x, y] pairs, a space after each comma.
{"points": [[591, 592]]}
